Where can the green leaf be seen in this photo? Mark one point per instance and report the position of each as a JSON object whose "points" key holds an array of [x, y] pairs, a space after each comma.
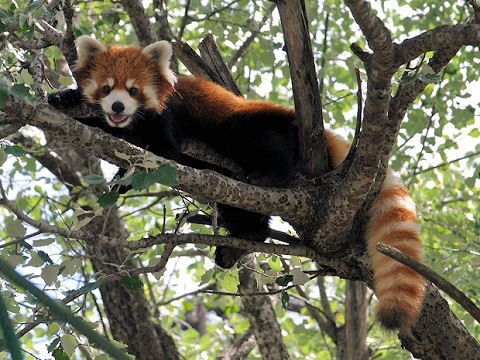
{"points": [[132, 283], [33, 5], [85, 289], [141, 181], [25, 77], [59, 354], [284, 280], [166, 175], [55, 341], [229, 281], [20, 91], [3, 156], [14, 228], [69, 344], [43, 242], [94, 179], [44, 256], [206, 277], [430, 78], [122, 155], [299, 277], [108, 199], [15, 150], [474, 133], [50, 274], [285, 299], [65, 80], [36, 260]]}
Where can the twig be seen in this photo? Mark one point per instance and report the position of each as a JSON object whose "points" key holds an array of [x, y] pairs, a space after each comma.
{"points": [[321, 80], [241, 50], [424, 141], [473, 154], [432, 276]]}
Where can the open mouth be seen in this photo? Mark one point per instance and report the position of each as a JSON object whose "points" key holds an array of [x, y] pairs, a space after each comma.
{"points": [[118, 118]]}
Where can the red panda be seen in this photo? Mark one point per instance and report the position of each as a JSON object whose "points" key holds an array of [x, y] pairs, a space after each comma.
{"points": [[144, 103]]}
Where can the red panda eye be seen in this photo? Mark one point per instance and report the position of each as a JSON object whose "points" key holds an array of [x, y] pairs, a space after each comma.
{"points": [[106, 89], [133, 91]]}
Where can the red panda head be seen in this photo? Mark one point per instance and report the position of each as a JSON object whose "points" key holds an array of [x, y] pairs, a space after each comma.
{"points": [[124, 79]]}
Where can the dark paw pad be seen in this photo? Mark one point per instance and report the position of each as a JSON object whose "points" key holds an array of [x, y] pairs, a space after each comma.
{"points": [[65, 99], [227, 257]]}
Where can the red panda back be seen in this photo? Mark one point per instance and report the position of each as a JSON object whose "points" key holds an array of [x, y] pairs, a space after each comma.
{"points": [[393, 221]]}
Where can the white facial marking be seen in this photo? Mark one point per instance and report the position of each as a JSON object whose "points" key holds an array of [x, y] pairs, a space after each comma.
{"points": [[111, 82], [151, 96], [90, 89], [129, 83], [130, 104]]}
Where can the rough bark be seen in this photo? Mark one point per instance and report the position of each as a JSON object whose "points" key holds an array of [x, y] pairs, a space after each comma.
{"points": [[306, 92], [261, 314], [356, 325]]}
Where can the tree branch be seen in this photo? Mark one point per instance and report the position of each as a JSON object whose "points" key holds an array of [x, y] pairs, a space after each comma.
{"points": [[205, 183], [306, 92], [442, 37]]}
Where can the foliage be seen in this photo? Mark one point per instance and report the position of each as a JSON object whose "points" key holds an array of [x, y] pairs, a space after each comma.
{"points": [[436, 155]]}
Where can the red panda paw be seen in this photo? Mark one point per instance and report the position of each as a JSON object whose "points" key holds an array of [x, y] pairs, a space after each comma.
{"points": [[227, 257]]}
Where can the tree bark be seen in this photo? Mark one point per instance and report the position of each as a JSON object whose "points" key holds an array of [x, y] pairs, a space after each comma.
{"points": [[356, 325], [261, 314]]}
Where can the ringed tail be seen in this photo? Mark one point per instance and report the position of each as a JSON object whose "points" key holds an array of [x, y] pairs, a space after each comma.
{"points": [[393, 221]]}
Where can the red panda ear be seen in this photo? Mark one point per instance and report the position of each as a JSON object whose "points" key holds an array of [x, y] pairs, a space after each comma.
{"points": [[87, 49], [161, 52]]}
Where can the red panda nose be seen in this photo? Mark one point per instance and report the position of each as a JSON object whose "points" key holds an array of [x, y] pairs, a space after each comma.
{"points": [[118, 107]]}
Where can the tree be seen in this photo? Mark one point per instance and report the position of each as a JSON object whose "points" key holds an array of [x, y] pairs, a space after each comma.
{"points": [[65, 230]]}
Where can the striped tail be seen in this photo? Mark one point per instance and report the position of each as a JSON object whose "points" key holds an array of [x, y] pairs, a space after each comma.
{"points": [[393, 221]]}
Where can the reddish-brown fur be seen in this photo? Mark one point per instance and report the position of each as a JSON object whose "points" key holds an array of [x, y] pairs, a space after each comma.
{"points": [[213, 103]]}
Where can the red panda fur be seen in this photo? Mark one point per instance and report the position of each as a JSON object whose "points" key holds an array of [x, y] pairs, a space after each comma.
{"points": [[393, 221], [208, 106]]}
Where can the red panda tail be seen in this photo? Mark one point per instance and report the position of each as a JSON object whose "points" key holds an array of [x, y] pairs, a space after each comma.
{"points": [[393, 221]]}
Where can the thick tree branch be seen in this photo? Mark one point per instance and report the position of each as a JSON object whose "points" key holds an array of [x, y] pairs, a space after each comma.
{"points": [[204, 183], [213, 59], [194, 62], [375, 31], [442, 37], [306, 92]]}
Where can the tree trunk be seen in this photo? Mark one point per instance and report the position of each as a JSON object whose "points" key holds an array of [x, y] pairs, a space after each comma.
{"points": [[261, 314], [356, 325]]}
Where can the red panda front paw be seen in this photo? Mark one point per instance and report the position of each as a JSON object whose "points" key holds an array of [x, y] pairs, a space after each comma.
{"points": [[65, 99], [227, 257]]}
